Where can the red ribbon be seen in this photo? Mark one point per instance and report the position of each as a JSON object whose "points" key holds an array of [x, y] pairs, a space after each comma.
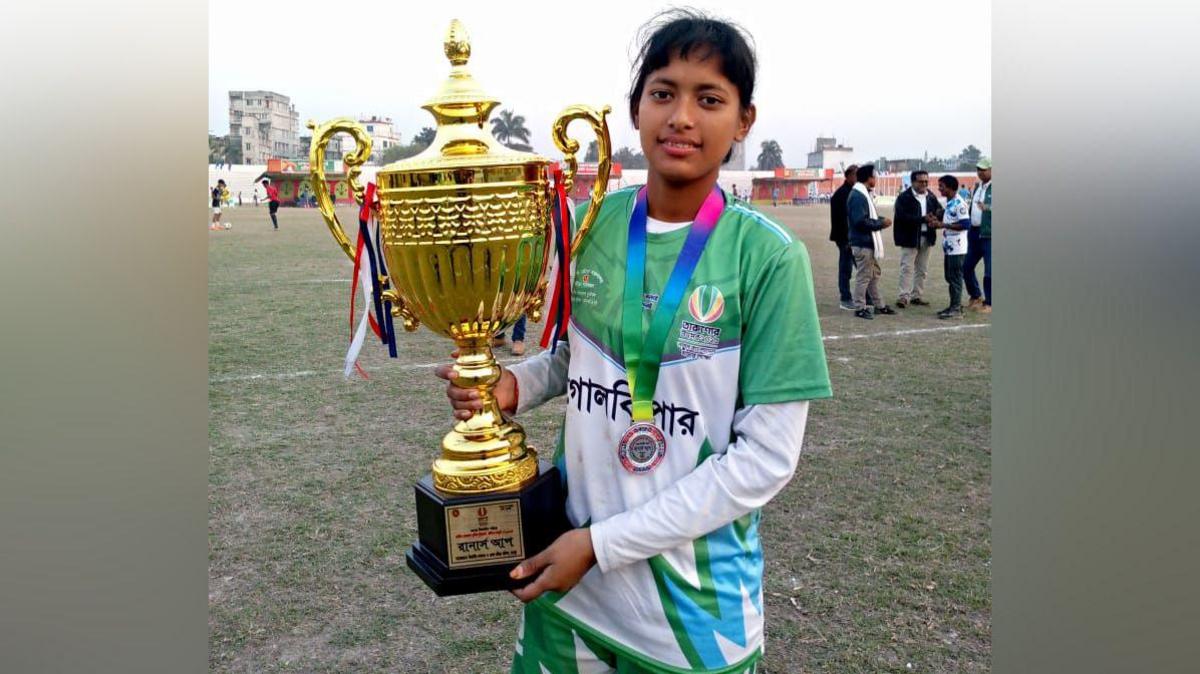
{"points": [[560, 303]]}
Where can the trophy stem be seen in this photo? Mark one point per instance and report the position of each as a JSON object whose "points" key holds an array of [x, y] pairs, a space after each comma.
{"points": [[487, 452]]}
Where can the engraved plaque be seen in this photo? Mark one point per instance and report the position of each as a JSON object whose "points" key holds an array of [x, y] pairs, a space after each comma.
{"points": [[486, 533]]}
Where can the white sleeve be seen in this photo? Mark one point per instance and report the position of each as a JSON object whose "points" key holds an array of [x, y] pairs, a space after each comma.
{"points": [[542, 377], [723, 488]]}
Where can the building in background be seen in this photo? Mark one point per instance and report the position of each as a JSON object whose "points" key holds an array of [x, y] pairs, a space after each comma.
{"points": [[334, 150], [383, 134], [828, 154], [901, 165], [264, 125]]}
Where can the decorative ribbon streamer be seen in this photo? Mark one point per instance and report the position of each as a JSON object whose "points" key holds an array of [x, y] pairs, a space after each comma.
{"points": [[377, 312], [559, 312], [643, 354], [357, 335], [368, 210], [389, 330]]}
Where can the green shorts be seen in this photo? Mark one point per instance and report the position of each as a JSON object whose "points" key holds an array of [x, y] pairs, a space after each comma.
{"points": [[547, 643]]}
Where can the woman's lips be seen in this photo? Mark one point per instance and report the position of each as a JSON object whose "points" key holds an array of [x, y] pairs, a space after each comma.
{"points": [[679, 148]]}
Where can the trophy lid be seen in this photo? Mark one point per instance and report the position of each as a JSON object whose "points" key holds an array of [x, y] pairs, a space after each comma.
{"points": [[461, 109]]}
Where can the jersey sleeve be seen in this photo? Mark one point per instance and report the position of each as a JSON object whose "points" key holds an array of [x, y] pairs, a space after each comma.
{"points": [[782, 354], [721, 489], [542, 377]]}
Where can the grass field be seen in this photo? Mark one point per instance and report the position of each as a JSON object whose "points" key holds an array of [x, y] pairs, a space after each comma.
{"points": [[877, 554]]}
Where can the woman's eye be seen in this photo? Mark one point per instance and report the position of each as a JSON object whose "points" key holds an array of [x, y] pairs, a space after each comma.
{"points": [[660, 95], [710, 100]]}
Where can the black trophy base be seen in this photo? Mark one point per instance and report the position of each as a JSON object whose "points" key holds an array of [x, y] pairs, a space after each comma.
{"points": [[465, 569]]}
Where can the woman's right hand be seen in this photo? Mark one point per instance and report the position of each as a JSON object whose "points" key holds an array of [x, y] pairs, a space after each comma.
{"points": [[466, 401]]}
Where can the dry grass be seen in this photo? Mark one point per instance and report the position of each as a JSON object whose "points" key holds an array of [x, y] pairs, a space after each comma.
{"points": [[878, 552]]}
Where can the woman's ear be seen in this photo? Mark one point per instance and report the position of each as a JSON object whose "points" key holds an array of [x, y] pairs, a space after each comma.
{"points": [[745, 122]]}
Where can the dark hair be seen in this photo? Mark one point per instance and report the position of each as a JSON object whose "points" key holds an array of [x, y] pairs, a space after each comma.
{"points": [[865, 172], [853, 168], [949, 181], [220, 181], [916, 173], [684, 32]]}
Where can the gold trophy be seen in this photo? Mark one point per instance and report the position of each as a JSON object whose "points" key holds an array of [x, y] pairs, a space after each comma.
{"points": [[466, 234]]}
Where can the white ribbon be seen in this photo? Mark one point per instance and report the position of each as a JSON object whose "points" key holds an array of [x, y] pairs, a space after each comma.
{"points": [[364, 282]]}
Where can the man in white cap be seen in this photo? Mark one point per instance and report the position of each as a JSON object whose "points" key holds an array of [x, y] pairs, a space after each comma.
{"points": [[979, 240]]}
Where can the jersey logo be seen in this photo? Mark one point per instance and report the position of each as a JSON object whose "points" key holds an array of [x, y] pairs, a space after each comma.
{"points": [[583, 290], [706, 304], [590, 278]]}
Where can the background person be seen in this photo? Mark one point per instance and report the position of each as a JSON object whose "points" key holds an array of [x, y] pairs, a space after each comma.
{"points": [[979, 241], [839, 234], [216, 193], [955, 220], [912, 234], [272, 201], [866, 243]]}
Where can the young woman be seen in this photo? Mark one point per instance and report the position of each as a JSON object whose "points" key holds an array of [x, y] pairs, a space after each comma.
{"points": [[694, 347]]}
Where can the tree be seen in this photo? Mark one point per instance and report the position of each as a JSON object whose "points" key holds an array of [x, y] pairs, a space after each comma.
{"points": [[593, 152], [424, 137], [509, 128], [218, 147], [771, 156], [399, 151], [968, 158], [629, 159]]}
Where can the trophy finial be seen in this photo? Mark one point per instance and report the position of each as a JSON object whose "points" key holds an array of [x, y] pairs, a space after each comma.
{"points": [[458, 43]]}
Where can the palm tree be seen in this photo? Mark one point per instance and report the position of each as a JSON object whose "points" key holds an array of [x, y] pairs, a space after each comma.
{"points": [[771, 156], [508, 128]]}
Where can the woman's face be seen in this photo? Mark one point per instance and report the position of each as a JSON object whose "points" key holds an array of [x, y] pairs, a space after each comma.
{"points": [[688, 117]]}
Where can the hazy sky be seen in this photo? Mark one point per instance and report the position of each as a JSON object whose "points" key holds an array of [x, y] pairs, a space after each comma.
{"points": [[889, 78]]}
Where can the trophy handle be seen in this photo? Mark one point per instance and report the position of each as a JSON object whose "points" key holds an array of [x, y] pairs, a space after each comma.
{"points": [[570, 147], [354, 160]]}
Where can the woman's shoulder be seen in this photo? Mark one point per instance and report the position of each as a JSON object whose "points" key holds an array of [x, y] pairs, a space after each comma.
{"points": [[757, 228]]}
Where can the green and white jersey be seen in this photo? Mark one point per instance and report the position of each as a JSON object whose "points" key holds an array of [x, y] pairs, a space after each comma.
{"points": [[678, 580]]}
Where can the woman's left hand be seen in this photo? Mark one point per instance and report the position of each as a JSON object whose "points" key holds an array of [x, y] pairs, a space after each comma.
{"points": [[562, 565]]}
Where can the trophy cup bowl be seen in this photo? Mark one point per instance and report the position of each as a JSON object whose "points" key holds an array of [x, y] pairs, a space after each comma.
{"points": [[466, 233]]}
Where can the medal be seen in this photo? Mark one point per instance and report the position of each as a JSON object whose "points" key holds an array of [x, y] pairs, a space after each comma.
{"points": [[643, 445]]}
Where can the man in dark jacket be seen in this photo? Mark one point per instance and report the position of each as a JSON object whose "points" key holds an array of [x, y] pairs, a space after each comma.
{"points": [[840, 235], [915, 207], [866, 243]]}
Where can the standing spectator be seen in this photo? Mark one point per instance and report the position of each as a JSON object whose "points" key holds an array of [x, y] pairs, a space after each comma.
{"points": [[735, 194], [979, 240], [239, 198], [256, 195], [956, 219], [775, 195], [216, 203], [273, 199], [914, 208], [839, 234], [518, 340], [866, 243]]}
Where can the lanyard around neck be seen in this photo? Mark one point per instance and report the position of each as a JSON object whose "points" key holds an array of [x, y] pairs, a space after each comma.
{"points": [[643, 354]]}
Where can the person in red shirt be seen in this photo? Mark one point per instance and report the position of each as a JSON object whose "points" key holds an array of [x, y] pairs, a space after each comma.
{"points": [[273, 199]]}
